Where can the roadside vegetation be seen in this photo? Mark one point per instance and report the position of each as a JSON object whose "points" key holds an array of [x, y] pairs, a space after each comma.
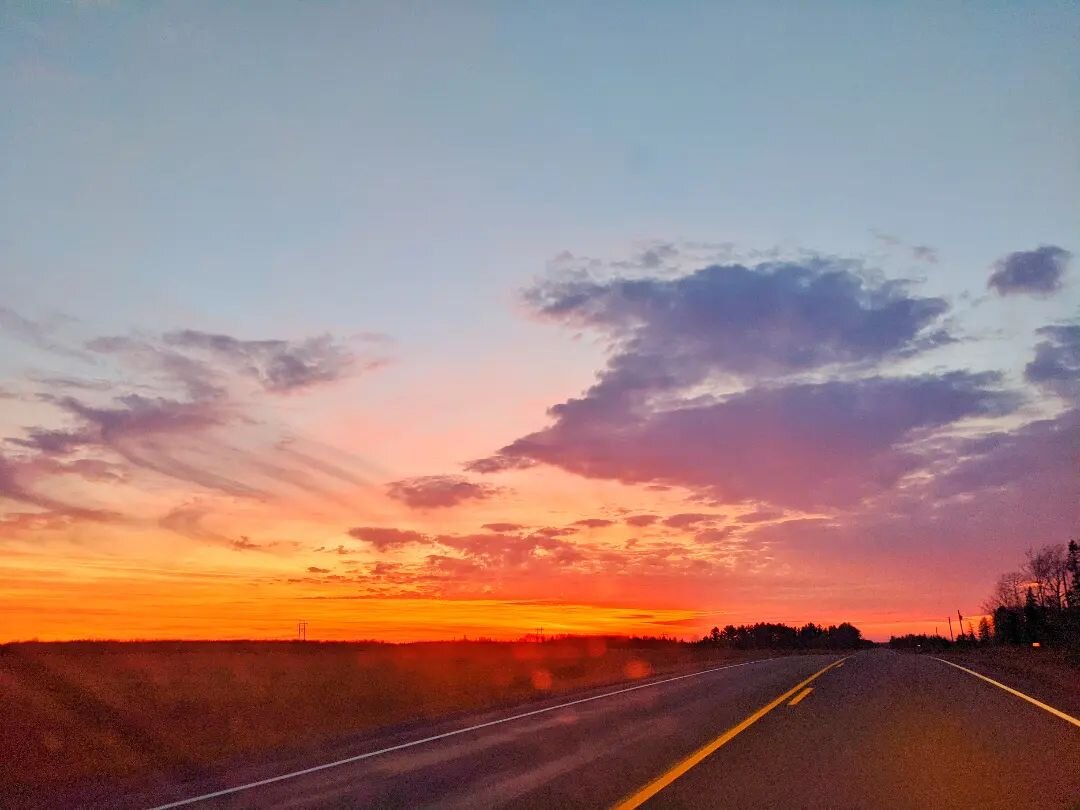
{"points": [[1036, 606], [770, 636]]}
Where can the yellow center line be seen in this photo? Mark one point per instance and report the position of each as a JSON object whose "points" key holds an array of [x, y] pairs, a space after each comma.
{"points": [[840, 665], [795, 700], [640, 797], [1057, 712]]}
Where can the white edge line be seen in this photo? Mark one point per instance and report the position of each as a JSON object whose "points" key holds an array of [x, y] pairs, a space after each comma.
{"points": [[1066, 717], [444, 735]]}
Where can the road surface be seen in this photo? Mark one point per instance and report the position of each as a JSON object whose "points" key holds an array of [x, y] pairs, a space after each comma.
{"points": [[876, 729]]}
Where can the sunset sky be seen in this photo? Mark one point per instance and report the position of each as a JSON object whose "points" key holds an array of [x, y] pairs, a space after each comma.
{"points": [[422, 320]]}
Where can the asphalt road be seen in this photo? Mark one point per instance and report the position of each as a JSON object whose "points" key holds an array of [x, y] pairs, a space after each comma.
{"points": [[876, 730]]}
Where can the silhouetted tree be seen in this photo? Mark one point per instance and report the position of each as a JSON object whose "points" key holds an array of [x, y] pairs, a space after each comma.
{"points": [[984, 631]]}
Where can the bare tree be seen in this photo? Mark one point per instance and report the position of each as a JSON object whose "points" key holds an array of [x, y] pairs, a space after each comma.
{"points": [[1048, 571], [1008, 592]]}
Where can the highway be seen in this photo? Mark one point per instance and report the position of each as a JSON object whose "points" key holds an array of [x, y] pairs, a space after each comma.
{"points": [[875, 729]]}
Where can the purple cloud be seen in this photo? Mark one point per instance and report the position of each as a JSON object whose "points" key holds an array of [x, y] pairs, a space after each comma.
{"points": [[641, 520], [772, 318], [439, 491], [803, 445], [385, 539], [1056, 365], [1037, 272], [279, 366]]}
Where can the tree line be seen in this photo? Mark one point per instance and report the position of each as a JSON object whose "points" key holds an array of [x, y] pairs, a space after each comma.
{"points": [[768, 635], [1039, 603]]}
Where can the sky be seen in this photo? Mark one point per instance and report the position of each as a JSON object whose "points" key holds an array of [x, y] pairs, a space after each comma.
{"points": [[430, 320]]}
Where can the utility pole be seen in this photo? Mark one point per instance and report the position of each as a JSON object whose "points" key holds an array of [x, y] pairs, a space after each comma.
{"points": [[960, 620], [950, 628], [301, 630]]}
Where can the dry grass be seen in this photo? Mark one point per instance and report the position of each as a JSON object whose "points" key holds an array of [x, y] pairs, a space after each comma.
{"points": [[104, 710], [1051, 675]]}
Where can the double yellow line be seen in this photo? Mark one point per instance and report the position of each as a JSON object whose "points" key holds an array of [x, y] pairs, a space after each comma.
{"points": [[640, 797]]}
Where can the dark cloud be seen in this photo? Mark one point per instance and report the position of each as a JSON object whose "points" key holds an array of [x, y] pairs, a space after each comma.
{"points": [[1056, 365], [493, 465], [385, 539], [54, 441], [503, 527], [1038, 271], [641, 520], [1005, 491], [773, 318], [802, 445], [1039, 458], [312, 569], [439, 491], [280, 366], [593, 523]]}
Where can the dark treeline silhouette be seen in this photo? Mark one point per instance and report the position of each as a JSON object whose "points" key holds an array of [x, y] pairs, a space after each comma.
{"points": [[766, 635], [920, 642], [1037, 604], [1040, 603]]}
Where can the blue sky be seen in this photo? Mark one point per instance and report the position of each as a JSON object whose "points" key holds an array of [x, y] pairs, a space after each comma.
{"points": [[371, 160]]}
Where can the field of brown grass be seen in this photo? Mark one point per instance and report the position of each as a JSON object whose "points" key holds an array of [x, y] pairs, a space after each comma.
{"points": [[107, 711]]}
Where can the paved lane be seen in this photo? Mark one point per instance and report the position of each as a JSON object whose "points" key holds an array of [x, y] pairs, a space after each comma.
{"points": [[872, 730], [887, 730]]}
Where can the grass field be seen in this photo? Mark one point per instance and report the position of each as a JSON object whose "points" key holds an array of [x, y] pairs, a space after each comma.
{"points": [[71, 713]]}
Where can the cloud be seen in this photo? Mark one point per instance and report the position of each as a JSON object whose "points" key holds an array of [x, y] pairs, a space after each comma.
{"points": [[385, 539], [439, 491], [993, 496], [1056, 365], [510, 551], [715, 535], [503, 527], [684, 520], [36, 334], [1037, 272], [14, 487], [745, 322], [593, 523], [279, 366], [1039, 457], [187, 520], [760, 516], [312, 569], [156, 434], [802, 445], [641, 520]]}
